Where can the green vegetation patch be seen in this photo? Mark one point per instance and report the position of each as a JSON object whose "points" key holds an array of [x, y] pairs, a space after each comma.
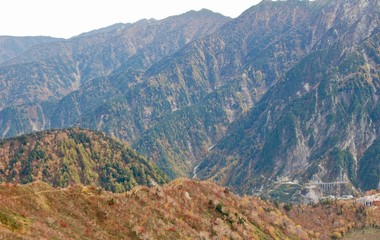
{"points": [[284, 192], [9, 221]]}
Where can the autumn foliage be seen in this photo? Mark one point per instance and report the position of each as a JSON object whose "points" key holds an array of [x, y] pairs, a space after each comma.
{"points": [[182, 209]]}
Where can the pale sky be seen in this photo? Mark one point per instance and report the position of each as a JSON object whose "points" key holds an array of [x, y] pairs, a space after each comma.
{"points": [[67, 18]]}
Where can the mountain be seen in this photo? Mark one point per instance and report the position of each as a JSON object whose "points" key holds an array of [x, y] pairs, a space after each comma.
{"points": [[11, 47], [33, 82], [178, 210], [314, 132], [183, 104], [222, 76], [72, 156], [113, 102], [282, 98]]}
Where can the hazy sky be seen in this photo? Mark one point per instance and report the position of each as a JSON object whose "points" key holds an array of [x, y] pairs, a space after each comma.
{"points": [[67, 18]]}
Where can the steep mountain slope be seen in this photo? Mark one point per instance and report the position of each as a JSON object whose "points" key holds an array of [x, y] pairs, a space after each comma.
{"points": [[179, 210], [35, 80], [64, 157], [317, 124], [226, 73], [11, 47], [186, 101]]}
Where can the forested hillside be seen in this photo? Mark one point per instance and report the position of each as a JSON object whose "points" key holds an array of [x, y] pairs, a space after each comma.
{"points": [[72, 156]]}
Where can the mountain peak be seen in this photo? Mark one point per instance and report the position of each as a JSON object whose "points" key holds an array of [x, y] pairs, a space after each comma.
{"points": [[201, 13]]}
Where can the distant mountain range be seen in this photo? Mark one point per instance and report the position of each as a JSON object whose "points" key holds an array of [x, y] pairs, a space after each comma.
{"points": [[281, 101], [11, 47]]}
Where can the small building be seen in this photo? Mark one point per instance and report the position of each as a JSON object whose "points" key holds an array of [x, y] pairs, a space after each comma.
{"points": [[369, 201], [365, 201]]}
